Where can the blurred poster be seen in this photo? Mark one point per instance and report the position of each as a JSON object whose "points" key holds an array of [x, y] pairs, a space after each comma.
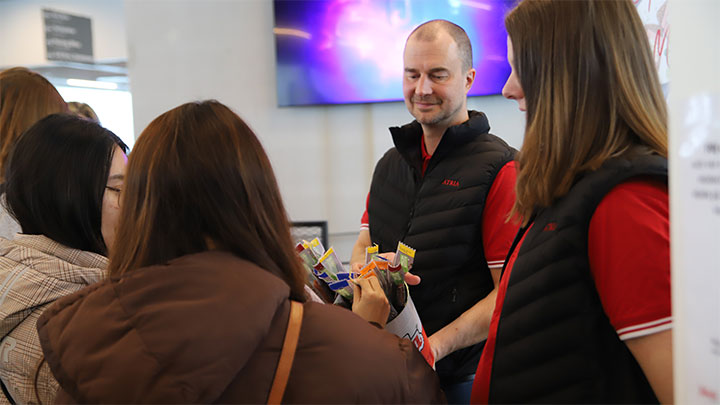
{"points": [[654, 15]]}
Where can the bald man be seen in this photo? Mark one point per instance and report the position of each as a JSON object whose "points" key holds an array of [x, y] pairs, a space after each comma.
{"points": [[445, 189]]}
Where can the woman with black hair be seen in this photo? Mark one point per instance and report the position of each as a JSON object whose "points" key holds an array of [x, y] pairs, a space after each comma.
{"points": [[62, 185]]}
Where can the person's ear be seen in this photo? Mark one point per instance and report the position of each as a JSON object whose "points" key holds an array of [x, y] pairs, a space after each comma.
{"points": [[469, 79]]}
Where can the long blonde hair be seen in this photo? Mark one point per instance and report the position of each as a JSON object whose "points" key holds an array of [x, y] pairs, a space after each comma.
{"points": [[591, 89], [25, 98]]}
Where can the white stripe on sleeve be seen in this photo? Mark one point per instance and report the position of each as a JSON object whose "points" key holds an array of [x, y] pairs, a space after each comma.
{"points": [[645, 329]]}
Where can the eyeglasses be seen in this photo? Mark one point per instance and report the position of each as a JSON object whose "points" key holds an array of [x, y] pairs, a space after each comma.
{"points": [[117, 192]]}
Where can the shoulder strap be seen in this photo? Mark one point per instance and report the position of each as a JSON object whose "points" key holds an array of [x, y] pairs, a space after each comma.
{"points": [[287, 355], [6, 393]]}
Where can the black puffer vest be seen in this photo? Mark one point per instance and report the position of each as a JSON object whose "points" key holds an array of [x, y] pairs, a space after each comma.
{"points": [[554, 342], [440, 216]]}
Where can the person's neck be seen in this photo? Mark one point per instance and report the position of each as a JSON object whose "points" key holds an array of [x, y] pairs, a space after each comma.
{"points": [[433, 136], [433, 133]]}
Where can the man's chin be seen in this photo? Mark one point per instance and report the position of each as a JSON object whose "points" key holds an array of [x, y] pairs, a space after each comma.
{"points": [[427, 119]]}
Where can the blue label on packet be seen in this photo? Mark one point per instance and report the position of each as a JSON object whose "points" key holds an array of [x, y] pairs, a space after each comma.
{"points": [[338, 285]]}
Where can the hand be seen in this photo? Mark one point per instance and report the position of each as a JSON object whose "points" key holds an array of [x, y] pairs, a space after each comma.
{"points": [[390, 256], [412, 279], [369, 301], [356, 267]]}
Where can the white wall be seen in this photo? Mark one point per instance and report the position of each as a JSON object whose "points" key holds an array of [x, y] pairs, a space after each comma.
{"points": [[183, 50], [22, 43], [22, 31]]}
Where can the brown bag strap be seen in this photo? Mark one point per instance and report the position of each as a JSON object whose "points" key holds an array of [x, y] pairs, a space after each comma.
{"points": [[287, 355]]}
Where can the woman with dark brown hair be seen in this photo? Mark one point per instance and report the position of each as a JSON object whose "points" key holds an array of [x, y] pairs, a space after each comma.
{"points": [[203, 274], [25, 98], [61, 186], [583, 313]]}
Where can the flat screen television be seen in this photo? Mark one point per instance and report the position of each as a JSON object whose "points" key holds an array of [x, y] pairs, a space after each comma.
{"points": [[350, 51]]}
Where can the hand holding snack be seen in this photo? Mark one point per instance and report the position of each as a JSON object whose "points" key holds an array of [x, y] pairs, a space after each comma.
{"points": [[389, 256], [412, 279], [369, 301], [377, 290]]}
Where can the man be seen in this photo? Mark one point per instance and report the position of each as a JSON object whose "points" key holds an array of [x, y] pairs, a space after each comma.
{"points": [[445, 189]]}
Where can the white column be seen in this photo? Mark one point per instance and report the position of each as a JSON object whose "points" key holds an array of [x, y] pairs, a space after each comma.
{"points": [[695, 198]]}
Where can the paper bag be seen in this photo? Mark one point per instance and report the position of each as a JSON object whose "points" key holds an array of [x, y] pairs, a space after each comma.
{"points": [[407, 325]]}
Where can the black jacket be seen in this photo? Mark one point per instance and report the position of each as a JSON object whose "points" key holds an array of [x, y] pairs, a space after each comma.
{"points": [[440, 216], [554, 342]]}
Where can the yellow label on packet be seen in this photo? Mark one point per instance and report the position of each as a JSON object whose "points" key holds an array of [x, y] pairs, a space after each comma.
{"points": [[330, 261], [326, 255], [317, 247], [371, 253], [405, 249]]}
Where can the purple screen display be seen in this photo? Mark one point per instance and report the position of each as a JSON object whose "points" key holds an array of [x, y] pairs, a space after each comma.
{"points": [[350, 51]]}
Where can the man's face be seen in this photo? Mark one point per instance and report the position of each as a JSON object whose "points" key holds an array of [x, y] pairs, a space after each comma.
{"points": [[435, 85]]}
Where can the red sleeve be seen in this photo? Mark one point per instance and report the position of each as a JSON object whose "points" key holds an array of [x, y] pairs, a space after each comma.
{"points": [[629, 254], [365, 220], [497, 233]]}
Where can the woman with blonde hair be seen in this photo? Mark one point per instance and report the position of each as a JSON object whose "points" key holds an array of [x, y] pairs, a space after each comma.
{"points": [[25, 98], [202, 281], [83, 110], [583, 313]]}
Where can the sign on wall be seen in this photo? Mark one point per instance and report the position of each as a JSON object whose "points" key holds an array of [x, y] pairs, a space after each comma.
{"points": [[68, 37]]}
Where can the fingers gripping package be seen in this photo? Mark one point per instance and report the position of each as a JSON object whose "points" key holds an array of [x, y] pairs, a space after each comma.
{"points": [[327, 276]]}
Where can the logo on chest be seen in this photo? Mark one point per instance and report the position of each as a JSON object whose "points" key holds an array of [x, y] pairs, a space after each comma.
{"points": [[451, 183]]}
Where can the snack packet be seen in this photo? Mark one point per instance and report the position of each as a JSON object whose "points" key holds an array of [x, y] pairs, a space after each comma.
{"points": [[396, 274], [317, 248], [331, 262], [320, 288], [367, 271], [371, 252], [306, 256], [343, 287], [404, 257], [322, 273]]}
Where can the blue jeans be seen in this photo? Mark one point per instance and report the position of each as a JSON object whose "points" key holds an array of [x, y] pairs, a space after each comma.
{"points": [[458, 392]]}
